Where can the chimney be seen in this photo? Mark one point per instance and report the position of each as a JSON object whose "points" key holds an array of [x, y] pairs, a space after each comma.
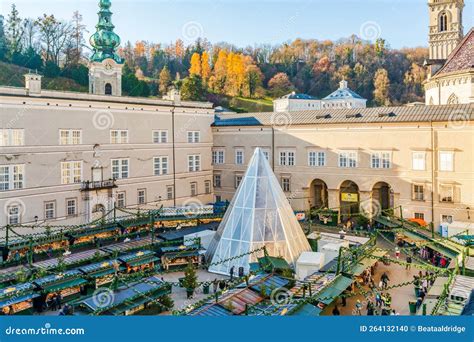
{"points": [[33, 83]]}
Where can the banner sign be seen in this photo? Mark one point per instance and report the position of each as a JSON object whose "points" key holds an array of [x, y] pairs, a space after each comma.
{"points": [[348, 197]]}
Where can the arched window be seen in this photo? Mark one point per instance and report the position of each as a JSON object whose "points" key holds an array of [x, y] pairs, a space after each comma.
{"points": [[453, 99], [108, 89], [443, 22]]}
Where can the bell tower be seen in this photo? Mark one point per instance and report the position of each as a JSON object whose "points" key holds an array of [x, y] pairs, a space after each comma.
{"points": [[105, 67], [446, 30]]}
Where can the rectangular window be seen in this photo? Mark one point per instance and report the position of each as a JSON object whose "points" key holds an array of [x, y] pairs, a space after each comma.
{"points": [[348, 159], [287, 158], [14, 214], [49, 210], [71, 207], [419, 161], [70, 137], [418, 192], [12, 137], [217, 157], [12, 177], [120, 168], [447, 218], [285, 184], [194, 163], [419, 216], [207, 187], [71, 172], [266, 154], [238, 180], [121, 200], [194, 136], [160, 166], [169, 192], [317, 159], [160, 137], [239, 157], [446, 161], [446, 193], [118, 136], [380, 160], [141, 196], [217, 181], [194, 191]]}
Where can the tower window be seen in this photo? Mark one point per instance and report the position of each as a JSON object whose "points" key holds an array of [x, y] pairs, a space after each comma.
{"points": [[443, 22], [108, 89]]}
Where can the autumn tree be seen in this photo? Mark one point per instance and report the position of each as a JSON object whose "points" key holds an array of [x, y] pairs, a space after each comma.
{"points": [[195, 68], [165, 80], [205, 67], [280, 84], [217, 81], [381, 87]]}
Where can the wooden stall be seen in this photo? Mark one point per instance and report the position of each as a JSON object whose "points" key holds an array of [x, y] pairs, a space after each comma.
{"points": [[139, 261], [101, 273], [17, 300], [175, 256]]}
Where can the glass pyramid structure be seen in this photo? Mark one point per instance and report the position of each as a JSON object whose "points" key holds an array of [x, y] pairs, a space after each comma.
{"points": [[259, 215]]}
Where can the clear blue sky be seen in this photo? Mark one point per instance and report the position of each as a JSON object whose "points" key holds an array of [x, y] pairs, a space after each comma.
{"points": [[248, 22]]}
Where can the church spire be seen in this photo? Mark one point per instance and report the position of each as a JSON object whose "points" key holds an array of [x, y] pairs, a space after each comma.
{"points": [[105, 41]]}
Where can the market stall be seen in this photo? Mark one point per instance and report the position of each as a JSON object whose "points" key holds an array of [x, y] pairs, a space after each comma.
{"points": [[175, 256], [17, 300], [139, 261], [68, 285], [126, 302], [101, 273]]}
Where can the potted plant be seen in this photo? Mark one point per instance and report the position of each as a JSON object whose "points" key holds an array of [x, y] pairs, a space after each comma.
{"points": [[190, 280]]}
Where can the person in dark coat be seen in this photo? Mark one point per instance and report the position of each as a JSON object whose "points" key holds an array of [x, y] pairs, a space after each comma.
{"points": [[336, 311], [231, 273]]}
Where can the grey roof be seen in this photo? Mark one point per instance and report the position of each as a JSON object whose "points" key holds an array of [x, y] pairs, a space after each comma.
{"points": [[444, 113], [345, 93], [296, 96]]}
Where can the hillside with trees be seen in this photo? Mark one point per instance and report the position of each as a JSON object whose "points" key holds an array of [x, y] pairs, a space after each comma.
{"points": [[239, 78]]}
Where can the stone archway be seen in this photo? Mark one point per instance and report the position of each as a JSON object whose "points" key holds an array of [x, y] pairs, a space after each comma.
{"points": [[318, 193], [349, 199], [382, 195]]}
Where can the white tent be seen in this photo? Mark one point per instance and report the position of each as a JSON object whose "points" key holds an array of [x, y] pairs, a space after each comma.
{"points": [[259, 215]]}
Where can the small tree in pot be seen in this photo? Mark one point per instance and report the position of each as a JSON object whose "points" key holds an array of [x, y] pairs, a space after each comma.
{"points": [[190, 279]]}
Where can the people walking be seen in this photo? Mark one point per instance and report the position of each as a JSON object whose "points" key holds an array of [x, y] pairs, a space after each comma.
{"points": [[408, 263], [385, 279], [358, 307]]}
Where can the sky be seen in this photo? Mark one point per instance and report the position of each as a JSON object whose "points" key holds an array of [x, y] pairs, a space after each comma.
{"points": [[402, 23]]}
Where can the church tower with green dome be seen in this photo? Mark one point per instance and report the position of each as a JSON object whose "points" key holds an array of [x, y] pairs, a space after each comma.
{"points": [[105, 67]]}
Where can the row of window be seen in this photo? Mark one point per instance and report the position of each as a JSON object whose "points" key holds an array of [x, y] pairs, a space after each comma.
{"points": [[346, 159], [12, 177], [16, 137], [15, 211]]}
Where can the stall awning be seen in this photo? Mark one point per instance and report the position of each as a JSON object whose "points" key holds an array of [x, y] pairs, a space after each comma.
{"points": [[334, 289], [104, 272], [210, 310], [143, 261], [17, 299], [183, 254], [65, 285], [366, 263], [307, 310], [447, 252]]}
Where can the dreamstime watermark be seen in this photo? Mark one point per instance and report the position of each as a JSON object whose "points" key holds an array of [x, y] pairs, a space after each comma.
{"points": [[459, 119], [14, 208], [46, 330], [192, 30], [370, 30], [370, 208], [281, 120], [103, 119], [281, 297], [103, 298], [193, 208]]}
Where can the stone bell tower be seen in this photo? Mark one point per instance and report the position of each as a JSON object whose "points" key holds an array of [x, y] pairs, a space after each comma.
{"points": [[446, 30], [105, 67]]}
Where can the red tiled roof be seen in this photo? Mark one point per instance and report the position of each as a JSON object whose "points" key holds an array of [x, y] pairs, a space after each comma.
{"points": [[462, 58]]}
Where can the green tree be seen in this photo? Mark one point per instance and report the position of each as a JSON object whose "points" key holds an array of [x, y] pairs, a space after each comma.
{"points": [[3, 40], [14, 32], [193, 89]]}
